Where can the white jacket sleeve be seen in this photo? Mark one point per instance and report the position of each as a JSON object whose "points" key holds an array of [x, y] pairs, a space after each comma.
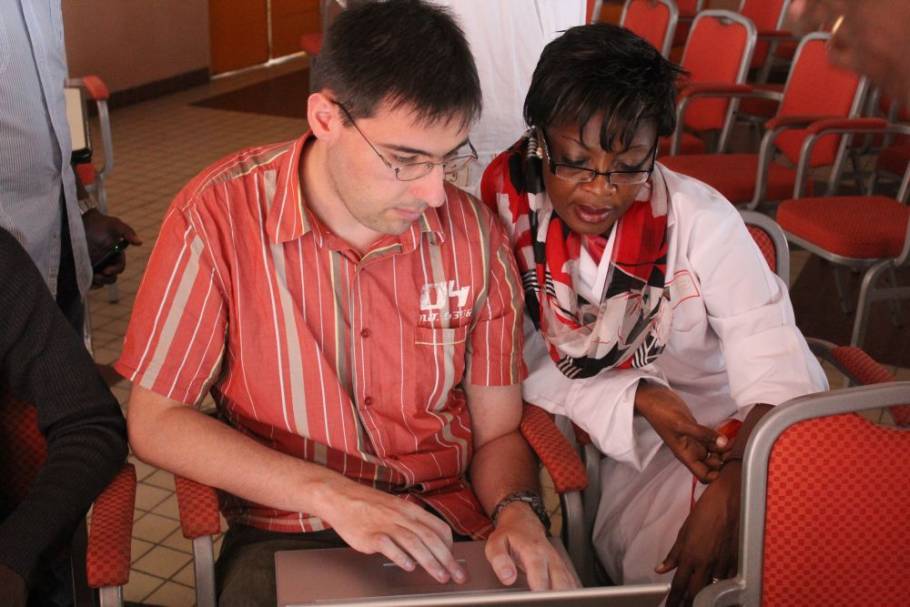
{"points": [[603, 405], [748, 306]]}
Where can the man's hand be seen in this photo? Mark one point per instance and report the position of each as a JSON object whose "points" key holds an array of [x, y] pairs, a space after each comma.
{"points": [[698, 447], [520, 541], [102, 232], [706, 546], [372, 521], [13, 591]]}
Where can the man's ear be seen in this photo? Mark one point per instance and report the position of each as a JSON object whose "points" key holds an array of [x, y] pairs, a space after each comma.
{"points": [[323, 116]]}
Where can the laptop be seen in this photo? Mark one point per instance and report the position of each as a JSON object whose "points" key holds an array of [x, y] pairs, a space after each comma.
{"points": [[343, 577]]}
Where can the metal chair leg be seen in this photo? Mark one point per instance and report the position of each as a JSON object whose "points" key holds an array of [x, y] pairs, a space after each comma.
{"points": [[204, 568], [845, 306]]}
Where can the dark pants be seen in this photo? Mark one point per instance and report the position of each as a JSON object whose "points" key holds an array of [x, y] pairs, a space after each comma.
{"points": [[245, 571]]}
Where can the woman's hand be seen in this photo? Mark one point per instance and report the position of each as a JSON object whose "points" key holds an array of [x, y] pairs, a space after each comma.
{"points": [[706, 546], [698, 447]]}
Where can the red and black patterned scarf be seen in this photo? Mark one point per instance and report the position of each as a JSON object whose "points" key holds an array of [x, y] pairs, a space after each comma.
{"points": [[629, 325]]}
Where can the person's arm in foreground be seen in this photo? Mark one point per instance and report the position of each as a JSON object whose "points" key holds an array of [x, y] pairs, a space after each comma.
{"points": [[44, 362], [173, 436], [504, 464]]}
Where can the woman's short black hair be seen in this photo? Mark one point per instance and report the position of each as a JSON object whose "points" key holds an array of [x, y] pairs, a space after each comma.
{"points": [[603, 69], [406, 52]]}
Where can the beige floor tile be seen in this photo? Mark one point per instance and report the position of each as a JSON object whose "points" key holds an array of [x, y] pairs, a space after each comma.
{"points": [[140, 585], [162, 479], [162, 562], [154, 528], [178, 542], [186, 576], [173, 595], [168, 508], [142, 469], [148, 496], [139, 548]]}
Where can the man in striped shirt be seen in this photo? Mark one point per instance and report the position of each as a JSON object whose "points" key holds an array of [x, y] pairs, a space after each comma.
{"points": [[357, 320]]}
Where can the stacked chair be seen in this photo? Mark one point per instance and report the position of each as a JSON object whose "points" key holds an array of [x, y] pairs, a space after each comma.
{"points": [[771, 174], [824, 506], [869, 233], [716, 58], [653, 20]]}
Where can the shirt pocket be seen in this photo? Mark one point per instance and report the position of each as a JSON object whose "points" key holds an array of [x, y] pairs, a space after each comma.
{"points": [[439, 358]]}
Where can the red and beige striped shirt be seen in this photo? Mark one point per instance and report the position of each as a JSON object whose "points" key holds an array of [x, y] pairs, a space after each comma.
{"points": [[351, 361]]}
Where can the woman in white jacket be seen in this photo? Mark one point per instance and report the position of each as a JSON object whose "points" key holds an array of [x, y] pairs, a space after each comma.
{"points": [[653, 321]]}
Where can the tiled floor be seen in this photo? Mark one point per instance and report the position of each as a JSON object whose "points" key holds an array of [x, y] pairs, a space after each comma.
{"points": [[159, 146]]}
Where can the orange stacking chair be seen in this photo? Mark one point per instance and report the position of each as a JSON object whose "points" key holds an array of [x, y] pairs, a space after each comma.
{"points": [[103, 564], [749, 179], [895, 153], [769, 17], [824, 506], [688, 10], [199, 516], [653, 20], [870, 233], [717, 54]]}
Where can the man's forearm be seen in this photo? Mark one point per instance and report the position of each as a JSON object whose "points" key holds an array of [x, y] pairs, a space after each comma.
{"points": [[193, 445], [503, 466]]}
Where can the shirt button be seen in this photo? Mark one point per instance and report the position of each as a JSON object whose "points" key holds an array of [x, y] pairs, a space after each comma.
{"points": [[365, 333], [368, 401]]}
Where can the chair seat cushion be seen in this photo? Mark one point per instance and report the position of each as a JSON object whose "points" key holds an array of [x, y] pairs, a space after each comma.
{"points": [[861, 227], [733, 175]]}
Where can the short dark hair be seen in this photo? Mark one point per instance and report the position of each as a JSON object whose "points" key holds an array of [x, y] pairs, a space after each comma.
{"points": [[603, 68], [406, 52]]}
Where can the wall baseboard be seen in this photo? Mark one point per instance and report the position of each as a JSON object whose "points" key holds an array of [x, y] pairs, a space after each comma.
{"points": [[159, 88]]}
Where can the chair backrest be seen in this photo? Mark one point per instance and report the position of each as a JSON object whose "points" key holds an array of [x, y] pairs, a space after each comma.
{"points": [[771, 241], [689, 8], [816, 87], [718, 50], [653, 20], [824, 505], [592, 11], [767, 15]]}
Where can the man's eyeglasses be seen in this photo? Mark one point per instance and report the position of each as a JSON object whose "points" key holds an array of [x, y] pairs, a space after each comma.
{"points": [[577, 174], [415, 170]]}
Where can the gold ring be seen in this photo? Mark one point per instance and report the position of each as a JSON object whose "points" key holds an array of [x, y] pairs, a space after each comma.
{"points": [[837, 25]]}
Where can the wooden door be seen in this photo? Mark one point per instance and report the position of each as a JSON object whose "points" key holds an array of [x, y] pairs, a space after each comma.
{"points": [[239, 34], [291, 19]]}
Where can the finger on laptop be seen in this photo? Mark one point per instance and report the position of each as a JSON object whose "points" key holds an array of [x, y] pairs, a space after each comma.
{"points": [[497, 553]]}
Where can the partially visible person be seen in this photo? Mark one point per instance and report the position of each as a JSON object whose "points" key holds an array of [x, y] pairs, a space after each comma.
{"points": [[652, 319], [870, 37], [357, 320], [506, 38], [63, 233], [43, 362]]}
